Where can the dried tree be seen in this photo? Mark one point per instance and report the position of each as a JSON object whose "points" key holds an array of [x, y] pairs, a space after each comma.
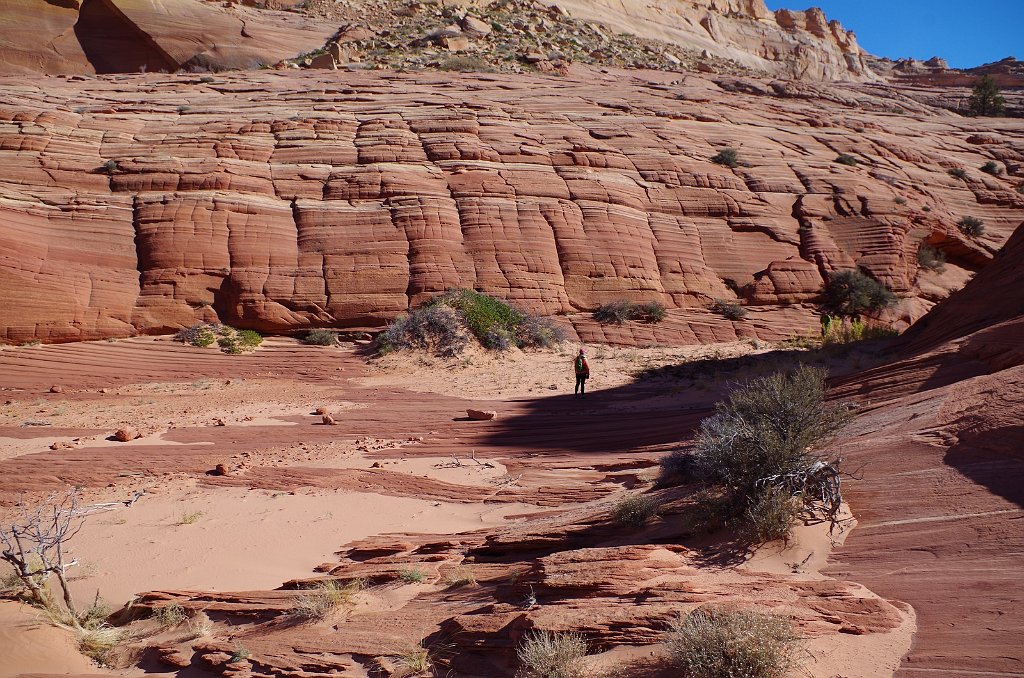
{"points": [[35, 543]]}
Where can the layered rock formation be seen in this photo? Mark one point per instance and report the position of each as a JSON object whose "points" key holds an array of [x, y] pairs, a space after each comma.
{"points": [[125, 36], [784, 43], [119, 36], [283, 201]]}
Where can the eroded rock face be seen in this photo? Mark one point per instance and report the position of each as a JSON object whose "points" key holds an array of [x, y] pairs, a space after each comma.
{"points": [[280, 201], [126, 36]]}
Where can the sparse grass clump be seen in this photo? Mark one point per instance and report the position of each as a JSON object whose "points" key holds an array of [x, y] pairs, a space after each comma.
{"points": [[851, 293], [971, 226], [847, 159], [635, 510], [728, 157], [958, 173], [841, 331], [544, 654], [415, 660], [618, 312], [729, 310], [170, 615], [99, 641], [931, 258], [460, 576], [992, 168], [412, 575], [709, 643], [317, 603], [190, 517], [320, 337]]}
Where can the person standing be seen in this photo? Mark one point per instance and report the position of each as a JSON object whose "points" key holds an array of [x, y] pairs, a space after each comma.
{"points": [[582, 374]]}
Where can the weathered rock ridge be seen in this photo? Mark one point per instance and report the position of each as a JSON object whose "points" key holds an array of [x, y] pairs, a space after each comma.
{"points": [[121, 36], [139, 204]]}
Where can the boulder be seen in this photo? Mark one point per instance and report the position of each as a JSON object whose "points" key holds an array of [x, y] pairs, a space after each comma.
{"points": [[481, 415], [328, 420], [126, 434]]}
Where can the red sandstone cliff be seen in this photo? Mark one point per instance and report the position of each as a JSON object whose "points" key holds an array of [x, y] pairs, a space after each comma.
{"points": [[281, 201]]}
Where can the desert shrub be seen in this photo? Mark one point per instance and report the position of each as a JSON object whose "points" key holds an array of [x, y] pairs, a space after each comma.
{"points": [[207, 79], [676, 467], [958, 173], [851, 292], [847, 159], [729, 310], [985, 98], [931, 258], [992, 168], [649, 312], [249, 338], [320, 337], [412, 575], [202, 334], [465, 64], [437, 329], [538, 331], [615, 312], [618, 312], [729, 157], [110, 166], [481, 312], [1020, 189], [635, 510], [718, 643], [765, 428], [544, 654], [498, 339], [971, 226], [770, 515], [840, 331], [415, 660]]}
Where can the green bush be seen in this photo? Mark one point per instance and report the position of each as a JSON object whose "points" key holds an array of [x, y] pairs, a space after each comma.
{"points": [[770, 515], [851, 293], [847, 159], [770, 426], [985, 99], [931, 258], [958, 172], [544, 654], [320, 337], [250, 338], [971, 226], [729, 157], [992, 168], [618, 312], [729, 310], [635, 510], [437, 329], [481, 312], [110, 166], [720, 643], [412, 575]]}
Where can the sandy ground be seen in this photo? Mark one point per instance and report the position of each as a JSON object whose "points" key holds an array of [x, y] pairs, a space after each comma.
{"points": [[184, 534]]}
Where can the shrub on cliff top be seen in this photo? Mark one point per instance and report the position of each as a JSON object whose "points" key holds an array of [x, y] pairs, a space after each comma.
{"points": [[972, 226]]}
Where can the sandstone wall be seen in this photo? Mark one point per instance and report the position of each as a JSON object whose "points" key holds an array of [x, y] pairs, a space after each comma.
{"points": [[280, 201]]}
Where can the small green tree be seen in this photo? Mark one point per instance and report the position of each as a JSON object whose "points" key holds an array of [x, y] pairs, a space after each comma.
{"points": [[850, 293], [985, 99]]}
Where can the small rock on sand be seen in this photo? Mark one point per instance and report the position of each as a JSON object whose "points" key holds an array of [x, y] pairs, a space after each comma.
{"points": [[329, 420], [56, 389], [221, 470], [126, 434], [481, 415], [320, 410]]}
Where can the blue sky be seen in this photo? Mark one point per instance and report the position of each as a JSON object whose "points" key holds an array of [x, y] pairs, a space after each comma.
{"points": [[966, 33]]}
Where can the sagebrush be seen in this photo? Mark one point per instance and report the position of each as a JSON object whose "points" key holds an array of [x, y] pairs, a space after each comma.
{"points": [[721, 643], [635, 510], [620, 311], [546, 654], [851, 293]]}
